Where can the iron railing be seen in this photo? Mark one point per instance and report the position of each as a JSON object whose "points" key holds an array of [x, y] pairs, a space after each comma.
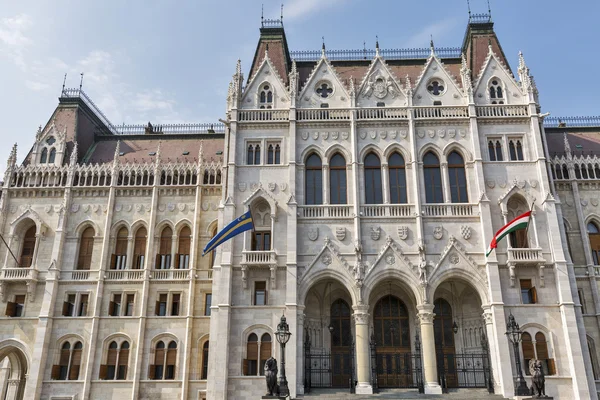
{"points": [[572, 122], [480, 18], [169, 129], [78, 93], [391, 369], [272, 23], [368, 54]]}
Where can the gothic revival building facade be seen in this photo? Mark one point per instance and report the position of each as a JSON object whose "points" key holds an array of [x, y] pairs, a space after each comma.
{"points": [[376, 180]]}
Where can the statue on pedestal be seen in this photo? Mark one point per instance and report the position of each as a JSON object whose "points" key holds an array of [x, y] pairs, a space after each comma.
{"points": [[271, 377], [538, 381]]}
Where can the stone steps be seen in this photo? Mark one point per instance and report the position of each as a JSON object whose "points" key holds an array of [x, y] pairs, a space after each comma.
{"points": [[463, 394]]}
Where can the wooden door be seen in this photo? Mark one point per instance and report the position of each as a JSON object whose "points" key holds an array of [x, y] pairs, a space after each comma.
{"points": [[444, 342]]}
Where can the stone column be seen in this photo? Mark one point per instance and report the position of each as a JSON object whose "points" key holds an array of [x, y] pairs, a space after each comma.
{"points": [[384, 183], [428, 345], [12, 390], [325, 181], [445, 182], [361, 320], [130, 244], [488, 317]]}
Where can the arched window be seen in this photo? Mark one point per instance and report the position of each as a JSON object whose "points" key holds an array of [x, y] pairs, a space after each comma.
{"points": [[528, 351], [28, 248], [250, 366], [495, 150], [86, 249], [261, 236], [274, 154], [52, 156], [204, 372], [397, 179], [433, 179], [557, 172], [253, 156], [541, 349], [340, 321], [391, 323], [593, 357], [314, 180], [594, 235], [517, 206], [69, 362], [373, 190], [182, 258], [119, 258], [337, 180], [164, 361], [265, 351], [44, 156], [577, 171], [117, 360], [515, 148], [139, 248], [163, 258], [496, 92], [457, 178], [266, 97]]}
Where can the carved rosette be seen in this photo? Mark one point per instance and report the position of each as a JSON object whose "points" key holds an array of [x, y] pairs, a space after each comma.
{"points": [[425, 317], [361, 317]]}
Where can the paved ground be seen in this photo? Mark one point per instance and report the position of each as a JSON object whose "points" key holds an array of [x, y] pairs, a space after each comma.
{"points": [[463, 394]]}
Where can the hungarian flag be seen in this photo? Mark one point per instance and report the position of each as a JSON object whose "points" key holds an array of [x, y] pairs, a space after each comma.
{"points": [[520, 222]]}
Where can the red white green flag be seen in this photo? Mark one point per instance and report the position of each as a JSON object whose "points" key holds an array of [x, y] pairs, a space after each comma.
{"points": [[516, 224]]}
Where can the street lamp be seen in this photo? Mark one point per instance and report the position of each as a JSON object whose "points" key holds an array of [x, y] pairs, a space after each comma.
{"points": [[513, 332], [283, 335]]}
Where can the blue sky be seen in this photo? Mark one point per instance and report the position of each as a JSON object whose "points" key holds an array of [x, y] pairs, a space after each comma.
{"points": [[171, 61]]}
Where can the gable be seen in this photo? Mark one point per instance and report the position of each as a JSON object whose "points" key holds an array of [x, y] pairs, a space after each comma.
{"points": [[380, 86], [455, 256], [324, 86], [266, 76], [328, 257], [494, 72], [437, 84]]}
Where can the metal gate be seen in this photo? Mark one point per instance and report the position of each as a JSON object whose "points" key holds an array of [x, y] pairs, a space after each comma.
{"points": [[328, 369], [395, 369]]}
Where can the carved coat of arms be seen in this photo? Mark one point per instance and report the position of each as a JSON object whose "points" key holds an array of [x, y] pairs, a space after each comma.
{"points": [[340, 233], [375, 233], [465, 231], [438, 232], [313, 233], [403, 232]]}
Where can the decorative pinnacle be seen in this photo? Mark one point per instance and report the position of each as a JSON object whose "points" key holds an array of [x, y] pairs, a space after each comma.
{"points": [[490, 50], [12, 158], [431, 45], [567, 144], [522, 65], [294, 68], [408, 83], [464, 66], [158, 152], [323, 47], [117, 153], [352, 87], [377, 46], [74, 155], [201, 152], [238, 68]]}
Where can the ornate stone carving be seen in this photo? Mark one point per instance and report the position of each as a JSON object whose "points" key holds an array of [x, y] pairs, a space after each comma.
{"points": [[421, 133], [304, 135], [327, 260], [403, 133], [594, 201], [488, 318], [534, 183], [431, 133], [119, 207], [283, 186], [383, 134], [584, 202], [48, 208], [345, 135], [372, 134], [375, 233], [438, 232], [403, 232], [425, 317], [441, 133], [75, 208], [465, 231], [502, 183], [340, 233], [272, 186], [253, 186], [454, 258], [313, 233], [325, 135], [139, 207], [452, 133], [361, 318], [128, 208], [315, 135], [363, 134], [390, 259], [171, 207], [86, 208], [181, 207], [242, 186], [205, 206], [491, 183], [462, 133], [335, 135], [393, 134]]}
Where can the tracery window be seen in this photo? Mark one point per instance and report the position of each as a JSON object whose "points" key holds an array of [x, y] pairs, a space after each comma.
{"points": [[496, 92], [163, 258], [515, 148], [457, 178], [69, 362], [274, 153], [44, 156], [397, 179], [313, 193], [594, 236], [266, 97], [253, 154], [436, 87], [139, 248], [391, 323], [182, 258], [52, 156], [250, 366], [373, 189], [165, 360], [28, 248], [117, 360], [495, 150], [337, 180], [86, 249], [433, 179], [119, 257]]}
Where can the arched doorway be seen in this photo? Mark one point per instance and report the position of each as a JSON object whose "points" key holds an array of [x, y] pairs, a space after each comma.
{"points": [[12, 383], [444, 341]]}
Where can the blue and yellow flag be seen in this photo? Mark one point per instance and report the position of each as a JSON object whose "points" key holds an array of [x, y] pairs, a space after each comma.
{"points": [[241, 224]]}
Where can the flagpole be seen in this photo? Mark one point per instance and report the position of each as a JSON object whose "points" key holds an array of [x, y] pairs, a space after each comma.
{"points": [[9, 250], [528, 223]]}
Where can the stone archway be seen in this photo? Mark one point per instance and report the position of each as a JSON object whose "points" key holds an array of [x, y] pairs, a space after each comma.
{"points": [[13, 374]]}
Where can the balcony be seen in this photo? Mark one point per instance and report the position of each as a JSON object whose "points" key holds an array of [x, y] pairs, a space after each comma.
{"points": [[525, 256], [323, 114], [259, 258], [326, 211], [441, 112], [124, 275], [377, 113], [79, 276], [18, 274], [502, 111], [387, 211], [170, 274], [450, 210], [204, 274], [263, 115]]}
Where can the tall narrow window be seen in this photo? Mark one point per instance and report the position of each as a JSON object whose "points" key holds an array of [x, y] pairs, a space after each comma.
{"points": [[69, 305], [266, 97], [114, 307], [63, 362], [260, 293], [528, 292], [515, 147], [205, 350], [492, 150], [44, 156], [314, 180], [117, 360], [594, 236], [171, 360], [250, 366], [457, 178], [496, 92], [261, 241], [28, 248], [253, 156], [207, 303], [130, 303], [373, 190], [397, 172], [175, 303], [433, 179], [213, 253], [274, 154], [52, 156], [139, 249], [495, 150], [157, 369], [75, 362], [15, 308], [163, 258], [119, 258], [183, 250], [83, 305], [541, 349], [337, 180], [86, 249], [265, 351], [161, 305], [528, 351]]}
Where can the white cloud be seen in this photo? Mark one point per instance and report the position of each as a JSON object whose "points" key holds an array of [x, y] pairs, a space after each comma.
{"points": [[13, 40], [300, 8], [36, 86], [437, 30]]}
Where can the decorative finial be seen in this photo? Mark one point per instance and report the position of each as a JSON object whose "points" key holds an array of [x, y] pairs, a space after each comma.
{"points": [[567, 144], [432, 46], [489, 9], [117, 153], [469, 7], [266, 50], [376, 45], [81, 82], [64, 82], [408, 83], [323, 45], [238, 67], [281, 17], [12, 158], [490, 46], [74, 155], [262, 15], [201, 152], [464, 65], [522, 65], [352, 87]]}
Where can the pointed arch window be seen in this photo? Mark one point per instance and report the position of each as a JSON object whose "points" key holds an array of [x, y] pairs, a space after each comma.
{"points": [[397, 179], [253, 154], [340, 321], [182, 258], [163, 258], [266, 97], [28, 248], [337, 180], [594, 236], [205, 350], [165, 360], [528, 351], [515, 147], [139, 248], [542, 354], [433, 179], [495, 150], [390, 321], [86, 249], [496, 91], [69, 362], [457, 178], [52, 156], [44, 156], [274, 153], [313, 180], [265, 351], [213, 253], [119, 257], [373, 189], [250, 367], [117, 360]]}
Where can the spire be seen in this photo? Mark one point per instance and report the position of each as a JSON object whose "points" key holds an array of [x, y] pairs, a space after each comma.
{"points": [[408, 85], [432, 46], [201, 152], [522, 65], [465, 74], [293, 78], [524, 74], [323, 47], [238, 67], [117, 153], [376, 46], [567, 145], [352, 87], [12, 158], [158, 152], [74, 155]]}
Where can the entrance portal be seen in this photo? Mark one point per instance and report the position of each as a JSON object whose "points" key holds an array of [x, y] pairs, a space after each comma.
{"points": [[13, 373]]}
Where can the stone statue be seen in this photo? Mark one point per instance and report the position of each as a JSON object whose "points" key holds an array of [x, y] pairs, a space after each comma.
{"points": [[271, 377], [538, 381]]}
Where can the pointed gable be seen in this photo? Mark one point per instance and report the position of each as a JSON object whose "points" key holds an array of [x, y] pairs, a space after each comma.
{"points": [[266, 79], [379, 85], [328, 257], [392, 255], [324, 86], [437, 84], [494, 74]]}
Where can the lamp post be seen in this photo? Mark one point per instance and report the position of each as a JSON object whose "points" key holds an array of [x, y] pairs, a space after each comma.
{"points": [[513, 332], [283, 335]]}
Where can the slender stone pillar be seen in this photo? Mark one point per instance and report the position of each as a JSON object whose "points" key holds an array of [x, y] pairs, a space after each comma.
{"points": [[428, 344], [361, 319]]}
